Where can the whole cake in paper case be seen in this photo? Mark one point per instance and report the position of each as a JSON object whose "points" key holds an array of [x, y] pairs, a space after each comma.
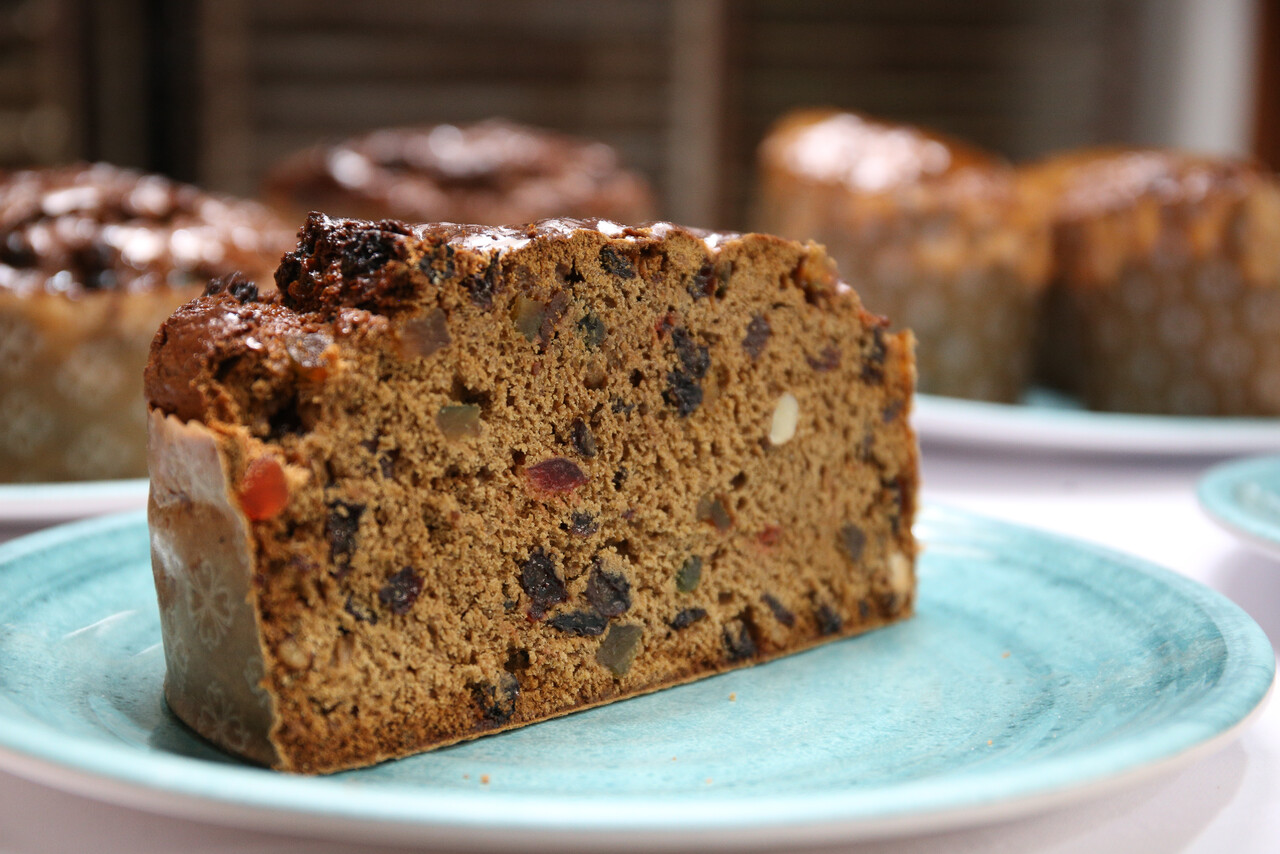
{"points": [[450, 480], [92, 259]]}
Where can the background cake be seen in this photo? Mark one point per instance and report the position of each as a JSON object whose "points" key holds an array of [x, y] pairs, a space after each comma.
{"points": [[450, 479], [492, 172], [92, 259], [1166, 293], [931, 232]]}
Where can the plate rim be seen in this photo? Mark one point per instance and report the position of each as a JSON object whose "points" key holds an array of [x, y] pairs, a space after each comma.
{"points": [[1215, 492], [61, 501], [954, 420], [252, 797]]}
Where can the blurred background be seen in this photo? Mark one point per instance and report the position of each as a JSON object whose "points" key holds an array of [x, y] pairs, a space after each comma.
{"points": [[214, 92]]}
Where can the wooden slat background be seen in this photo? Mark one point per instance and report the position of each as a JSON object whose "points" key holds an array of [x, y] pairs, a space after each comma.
{"points": [[684, 88]]}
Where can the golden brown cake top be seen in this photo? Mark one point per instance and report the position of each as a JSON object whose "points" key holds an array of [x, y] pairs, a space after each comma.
{"points": [[1112, 207], [491, 172], [866, 155], [97, 227]]}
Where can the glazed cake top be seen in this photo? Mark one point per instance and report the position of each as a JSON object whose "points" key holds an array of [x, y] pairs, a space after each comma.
{"points": [[348, 273], [431, 173], [94, 227], [865, 155]]}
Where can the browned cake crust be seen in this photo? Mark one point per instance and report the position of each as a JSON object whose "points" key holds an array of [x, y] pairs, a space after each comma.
{"points": [[450, 480], [493, 172], [1166, 294], [92, 259], [932, 232]]}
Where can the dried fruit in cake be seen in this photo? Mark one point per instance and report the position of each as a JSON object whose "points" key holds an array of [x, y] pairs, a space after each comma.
{"points": [[555, 527]]}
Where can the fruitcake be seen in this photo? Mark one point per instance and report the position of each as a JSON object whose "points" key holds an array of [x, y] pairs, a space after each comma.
{"points": [[92, 259], [493, 172], [446, 480], [934, 233], [1166, 281]]}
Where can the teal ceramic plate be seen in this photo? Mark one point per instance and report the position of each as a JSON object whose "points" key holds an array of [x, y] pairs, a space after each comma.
{"points": [[1038, 671], [1244, 497], [62, 502], [1048, 421]]}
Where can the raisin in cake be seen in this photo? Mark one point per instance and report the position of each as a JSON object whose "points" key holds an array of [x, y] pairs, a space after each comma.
{"points": [[931, 232], [493, 172], [92, 260], [1166, 293], [449, 480]]}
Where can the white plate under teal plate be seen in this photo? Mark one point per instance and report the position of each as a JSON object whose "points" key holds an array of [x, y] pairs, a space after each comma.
{"points": [[29, 503], [1052, 422], [1038, 671], [1243, 497]]}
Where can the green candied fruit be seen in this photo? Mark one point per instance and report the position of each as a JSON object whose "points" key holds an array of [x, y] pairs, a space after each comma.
{"points": [[619, 648], [527, 314], [458, 422], [689, 574]]}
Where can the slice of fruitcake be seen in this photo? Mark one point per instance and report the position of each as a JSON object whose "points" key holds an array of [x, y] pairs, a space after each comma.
{"points": [[450, 480]]}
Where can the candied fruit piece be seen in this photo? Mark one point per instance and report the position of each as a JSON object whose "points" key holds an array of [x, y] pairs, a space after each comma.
{"points": [[852, 540], [780, 611], [769, 537], [686, 618], [401, 591], [689, 574], [540, 583], [527, 314], [263, 490], [608, 592], [580, 623], [426, 334], [583, 440], [619, 648], [711, 509], [459, 422], [556, 475], [758, 332]]}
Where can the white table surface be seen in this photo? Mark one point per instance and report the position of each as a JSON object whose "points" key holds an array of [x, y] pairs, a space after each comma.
{"points": [[1228, 802]]}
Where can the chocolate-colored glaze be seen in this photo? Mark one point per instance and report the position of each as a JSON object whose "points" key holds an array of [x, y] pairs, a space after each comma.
{"points": [[492, 172], [97, 227], [204, 339]]}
